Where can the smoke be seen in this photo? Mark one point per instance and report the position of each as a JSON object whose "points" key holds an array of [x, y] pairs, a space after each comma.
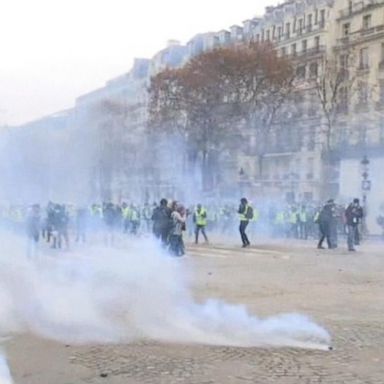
{"points": [[5, 375], [104, 295]]}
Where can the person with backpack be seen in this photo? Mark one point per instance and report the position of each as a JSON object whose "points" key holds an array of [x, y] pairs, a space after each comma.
{"points": [[245, 212]]}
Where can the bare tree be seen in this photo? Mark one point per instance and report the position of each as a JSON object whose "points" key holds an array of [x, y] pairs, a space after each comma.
{"points": [[334, 87], [215, 94]]}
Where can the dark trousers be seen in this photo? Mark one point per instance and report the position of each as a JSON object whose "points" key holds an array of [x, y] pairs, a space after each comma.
{"points": [[324, 234], [197, 230], [161, 233], [351, 237], [242, 228], [176, 245]]}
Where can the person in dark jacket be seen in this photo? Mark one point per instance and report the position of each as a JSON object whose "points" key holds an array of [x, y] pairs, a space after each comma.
{"points": [[161, 218], [81, 224], [33, 229], [325, 220], [112, 219], [244, 215], [353, 216]]}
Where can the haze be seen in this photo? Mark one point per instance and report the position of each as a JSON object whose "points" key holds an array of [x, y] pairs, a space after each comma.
{"points": [[53, 51]]}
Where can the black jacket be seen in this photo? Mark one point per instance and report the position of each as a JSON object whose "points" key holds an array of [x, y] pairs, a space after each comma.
{"points": [[353, 214]]}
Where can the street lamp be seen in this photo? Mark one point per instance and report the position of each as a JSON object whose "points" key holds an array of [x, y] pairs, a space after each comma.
{"points": [[365, 187], [366, 183]]}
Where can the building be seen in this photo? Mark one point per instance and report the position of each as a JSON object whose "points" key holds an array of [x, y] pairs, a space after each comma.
{"points": [[292, 162], [360, 149]]}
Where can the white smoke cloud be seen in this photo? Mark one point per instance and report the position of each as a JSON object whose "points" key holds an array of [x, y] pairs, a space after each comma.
{"points": [[111, 295], [5, 375]]}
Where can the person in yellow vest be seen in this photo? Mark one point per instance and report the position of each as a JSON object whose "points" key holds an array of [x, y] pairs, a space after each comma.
{"points": [[134, 219], [126, 212], [245, 212], [200, 220], [293, 219], [279, 223], [303, 223]]}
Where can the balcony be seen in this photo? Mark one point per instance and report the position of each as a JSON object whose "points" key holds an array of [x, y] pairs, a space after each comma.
{"points": [[361, 36], [310, 52], [357, 8]]}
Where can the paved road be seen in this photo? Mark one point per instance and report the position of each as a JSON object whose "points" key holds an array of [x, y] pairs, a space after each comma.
{"points": [[343, 292]]}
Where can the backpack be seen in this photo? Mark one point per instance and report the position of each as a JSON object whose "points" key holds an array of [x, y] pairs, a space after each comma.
{"points": [[249, 213]]}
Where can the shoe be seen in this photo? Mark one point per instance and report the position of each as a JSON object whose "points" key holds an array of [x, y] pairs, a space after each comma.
{"points": [[244, 246], [351, 249], [320, 247]]}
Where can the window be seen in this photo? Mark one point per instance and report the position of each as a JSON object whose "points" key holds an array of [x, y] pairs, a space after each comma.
{"points": [[293, 49], [313, 70], [262, 35], [382, 53], [258, 37], [268, 35], [279, 32], [346, 29], [310, 169], [344, 61], [309, 23], [288, 30], [317, 43], [322, 18], [300, 72], [301, 23], [363, 93], [364, 58], [316, 16], [283, 51], [343, 101], [367, 21], [274, 32], [304, 46], [294, 25], [381, 92], [350, 6]]}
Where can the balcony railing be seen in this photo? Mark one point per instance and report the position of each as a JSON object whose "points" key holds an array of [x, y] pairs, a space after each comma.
{"points": [[360, 35], [357, 8], [311, 51]]}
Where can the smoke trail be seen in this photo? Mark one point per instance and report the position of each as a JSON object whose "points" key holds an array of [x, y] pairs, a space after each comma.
{"points": [[5, 375], [121, 295]]}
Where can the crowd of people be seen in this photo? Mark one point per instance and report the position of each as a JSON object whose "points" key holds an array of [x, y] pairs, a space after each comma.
{"points": [[168, 221]]}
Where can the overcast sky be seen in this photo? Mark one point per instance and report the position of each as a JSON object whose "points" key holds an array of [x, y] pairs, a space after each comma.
{"points": [[55, 50]]}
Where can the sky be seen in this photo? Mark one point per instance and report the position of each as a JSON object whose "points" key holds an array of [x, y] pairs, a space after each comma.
{"points": [[52, 51]]}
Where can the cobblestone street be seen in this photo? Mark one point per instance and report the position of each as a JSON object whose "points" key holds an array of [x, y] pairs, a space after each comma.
{"points": [[341, 291]]}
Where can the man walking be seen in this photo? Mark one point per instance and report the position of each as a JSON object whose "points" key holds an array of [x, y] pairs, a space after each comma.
{"points": [[161, 218], [200, 220], [245, 212], [325, 220], [353, 215]]}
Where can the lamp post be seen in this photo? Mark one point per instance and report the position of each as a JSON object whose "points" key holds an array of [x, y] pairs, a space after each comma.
{"points": [[365, 187]]}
